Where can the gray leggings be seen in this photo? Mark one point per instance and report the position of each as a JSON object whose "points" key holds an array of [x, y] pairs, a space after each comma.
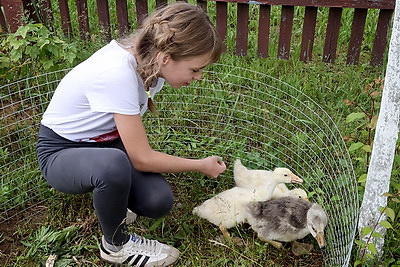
{"points": [[103, 168]]}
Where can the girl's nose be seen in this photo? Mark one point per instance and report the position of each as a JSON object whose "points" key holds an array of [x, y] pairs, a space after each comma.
{"points": [[197, 75]]}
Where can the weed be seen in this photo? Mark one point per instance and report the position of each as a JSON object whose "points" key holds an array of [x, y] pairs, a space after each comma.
{"points": [[367, 250]]}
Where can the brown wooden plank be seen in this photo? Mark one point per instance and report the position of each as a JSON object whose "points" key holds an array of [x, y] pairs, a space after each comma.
{"points": [[104, 19], [242, 29], [65, 17], [141, 10], [122, 16], [375, 4], [264, 22], [381, 37], [285, 32], [222, 16], [83, 19], [332, 34], [13, 10], [202, 4], [356, 37], [307, 41]]}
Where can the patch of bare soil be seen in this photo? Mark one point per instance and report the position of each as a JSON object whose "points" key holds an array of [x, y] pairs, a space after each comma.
{"points": [[16, 228]]}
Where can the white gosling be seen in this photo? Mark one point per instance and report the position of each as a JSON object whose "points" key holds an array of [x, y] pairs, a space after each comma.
{"points": [[254, 178]]}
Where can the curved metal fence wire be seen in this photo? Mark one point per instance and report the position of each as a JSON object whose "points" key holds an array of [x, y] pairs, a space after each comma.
{"points": [[236, 114], [22, 105]]}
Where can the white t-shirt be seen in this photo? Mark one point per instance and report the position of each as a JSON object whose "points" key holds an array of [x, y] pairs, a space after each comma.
{"points": [[84, 102]]}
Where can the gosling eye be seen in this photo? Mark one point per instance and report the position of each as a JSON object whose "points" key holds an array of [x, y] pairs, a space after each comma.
{"points": [[286, 175]]}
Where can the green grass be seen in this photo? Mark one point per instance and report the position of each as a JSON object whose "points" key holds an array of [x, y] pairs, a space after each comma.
{"points": [[67, 225]]}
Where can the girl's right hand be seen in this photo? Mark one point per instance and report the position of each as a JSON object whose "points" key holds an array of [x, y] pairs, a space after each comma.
{"points": [[212, 166]]}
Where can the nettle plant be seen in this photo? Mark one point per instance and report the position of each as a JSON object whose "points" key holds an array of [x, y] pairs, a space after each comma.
{"points": [[34, 49], [366, 245], [364, 119], [363, 123]]}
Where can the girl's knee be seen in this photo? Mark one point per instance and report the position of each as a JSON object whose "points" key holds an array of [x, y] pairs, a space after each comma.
{"points": [[160, 205], [115, 170], [154, 198]]}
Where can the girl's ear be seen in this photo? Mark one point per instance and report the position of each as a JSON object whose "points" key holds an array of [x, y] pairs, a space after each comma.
{"points": [[162, 58]]}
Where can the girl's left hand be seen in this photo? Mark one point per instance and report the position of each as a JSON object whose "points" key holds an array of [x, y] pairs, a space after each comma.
{"points": [[213, 166]]}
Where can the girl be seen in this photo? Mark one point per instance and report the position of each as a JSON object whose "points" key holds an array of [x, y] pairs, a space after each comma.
{"points": [[92, 138]]}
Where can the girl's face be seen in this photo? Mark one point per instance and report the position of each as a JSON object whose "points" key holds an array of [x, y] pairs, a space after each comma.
{"points": [[182, 72]]}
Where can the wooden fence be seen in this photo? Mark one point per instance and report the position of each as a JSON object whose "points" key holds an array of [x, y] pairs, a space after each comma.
{"points": [[13, 11]]}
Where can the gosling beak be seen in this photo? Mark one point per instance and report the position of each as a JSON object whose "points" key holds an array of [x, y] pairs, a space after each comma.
{"points": [[295, 179], [321, 240]]}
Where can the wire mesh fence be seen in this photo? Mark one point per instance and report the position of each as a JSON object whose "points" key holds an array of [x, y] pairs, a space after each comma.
{"points": [[22, 104], [236, 114]]}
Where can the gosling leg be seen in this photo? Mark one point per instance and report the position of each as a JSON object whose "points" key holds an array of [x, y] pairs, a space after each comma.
{"points": [[276, 244], [225, 232]]}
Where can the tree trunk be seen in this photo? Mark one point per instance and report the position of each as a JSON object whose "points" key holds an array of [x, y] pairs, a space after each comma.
{"points": [[386, 135]]}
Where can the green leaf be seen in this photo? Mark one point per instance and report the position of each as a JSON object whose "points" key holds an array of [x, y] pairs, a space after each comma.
{"points": [[355, 146], [360, 243], [43, 42], [17, 43], [366, 230], [362, 178], [4, 62], [386, 224], [371, 247], [372, 124], [32, 51], [377, 235], [43, 32], [354, 116], [390, 213], [55, 50], [319, 191], [48, 64], [362, 160], [369, 255], [70, 57], [16, 55], [22, 31], [367, 148]]}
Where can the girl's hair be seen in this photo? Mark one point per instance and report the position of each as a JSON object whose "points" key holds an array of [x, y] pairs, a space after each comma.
{"points": [[180, 30]]}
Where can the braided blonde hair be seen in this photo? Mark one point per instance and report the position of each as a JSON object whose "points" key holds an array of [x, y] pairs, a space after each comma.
{"points": [[180, 30]]}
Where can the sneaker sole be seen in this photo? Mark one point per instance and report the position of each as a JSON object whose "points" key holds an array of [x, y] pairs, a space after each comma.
{"points": [[106, 257]]}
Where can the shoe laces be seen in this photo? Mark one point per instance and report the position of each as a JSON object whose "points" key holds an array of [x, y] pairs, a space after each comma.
{"points": [[145, 245]]}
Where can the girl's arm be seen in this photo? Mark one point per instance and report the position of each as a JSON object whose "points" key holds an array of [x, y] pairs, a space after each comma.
{"points": [[144, 158]]}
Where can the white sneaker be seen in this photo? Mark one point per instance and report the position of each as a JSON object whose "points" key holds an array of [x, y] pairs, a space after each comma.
{"points": [[142, 252], [130, 217]]}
